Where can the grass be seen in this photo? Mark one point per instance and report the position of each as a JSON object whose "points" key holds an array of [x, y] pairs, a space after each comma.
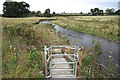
{"points": [[15, 21], [90, 68], [21, 47], [22, 43], [103, 26]]}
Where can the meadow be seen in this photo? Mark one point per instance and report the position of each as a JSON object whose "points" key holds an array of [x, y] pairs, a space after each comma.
{"points": [[22, 42], [103, 26]]}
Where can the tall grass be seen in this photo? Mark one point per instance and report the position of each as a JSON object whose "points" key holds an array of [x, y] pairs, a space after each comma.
{"points": [[104, 26], [90, 67], [21, 48]]}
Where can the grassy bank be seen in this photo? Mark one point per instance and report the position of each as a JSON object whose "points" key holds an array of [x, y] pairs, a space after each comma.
{"points": [[22, 43], [103, 26], [21, 47]]}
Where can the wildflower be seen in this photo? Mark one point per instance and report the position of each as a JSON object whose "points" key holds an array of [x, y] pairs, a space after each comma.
{"points": [[24, 62], [17, 40], [27, 47], [110, 52], [109, 56], [20, 51], [17, 46], [33, 73], [34, 69], [14, 48], [17, 54], [10, 47]]}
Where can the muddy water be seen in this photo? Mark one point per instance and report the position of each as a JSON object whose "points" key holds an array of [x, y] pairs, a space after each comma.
{"points": [[85, 40]]}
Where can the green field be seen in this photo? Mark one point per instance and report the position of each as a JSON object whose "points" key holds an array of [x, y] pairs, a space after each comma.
{"points": [[103, 26], [22, 43]]}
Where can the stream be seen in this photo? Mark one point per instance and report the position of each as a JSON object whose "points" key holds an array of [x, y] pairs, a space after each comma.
{"points": [[85, 40]]}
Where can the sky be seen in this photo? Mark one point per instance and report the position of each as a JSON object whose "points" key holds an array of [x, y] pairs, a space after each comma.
{"points": [[68, 6]]}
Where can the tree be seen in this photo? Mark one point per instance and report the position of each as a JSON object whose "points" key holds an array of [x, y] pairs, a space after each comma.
{"points": [[117, 12], [33, 13], [97, 11], [92, 11], [53, 13], [81, 13], [110, 11], [47, 13], [38, 13], [15, 9], [101, 12]]}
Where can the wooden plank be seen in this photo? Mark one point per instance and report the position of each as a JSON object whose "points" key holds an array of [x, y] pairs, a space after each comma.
{"points": [[49, 52], [78, 68], [69, 57], [43, 61], [71, 48], [48, 60], [80, 62], [57, 51]]}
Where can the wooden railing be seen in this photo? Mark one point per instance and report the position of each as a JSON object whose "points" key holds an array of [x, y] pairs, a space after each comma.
{"points": [[71, 59], [43, 60], [80, 62]]}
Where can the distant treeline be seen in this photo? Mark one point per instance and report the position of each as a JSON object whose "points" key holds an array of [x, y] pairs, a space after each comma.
{"points": [[21, 9]]}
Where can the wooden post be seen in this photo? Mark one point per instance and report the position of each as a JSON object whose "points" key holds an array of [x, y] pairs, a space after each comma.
{"points": [[43, 61], [65, 53], [80, 62], [49, 52]]}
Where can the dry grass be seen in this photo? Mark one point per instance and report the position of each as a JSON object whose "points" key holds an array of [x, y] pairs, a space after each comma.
{"points": [[21, 47], [104, 26]]}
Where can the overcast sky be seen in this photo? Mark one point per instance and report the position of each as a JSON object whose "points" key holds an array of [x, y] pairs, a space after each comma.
{"points": [[68, 6]]}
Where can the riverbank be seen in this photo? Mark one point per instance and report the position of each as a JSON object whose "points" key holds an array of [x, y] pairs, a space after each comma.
{"points": [[96, 51], [103, 26], [21, 47], [22, 43]]}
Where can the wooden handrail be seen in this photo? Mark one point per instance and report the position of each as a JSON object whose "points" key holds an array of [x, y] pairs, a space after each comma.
{"points": [[72, 48], [69, 57], [80, 62], [48, 60], [80, 58], [43, 61]]}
